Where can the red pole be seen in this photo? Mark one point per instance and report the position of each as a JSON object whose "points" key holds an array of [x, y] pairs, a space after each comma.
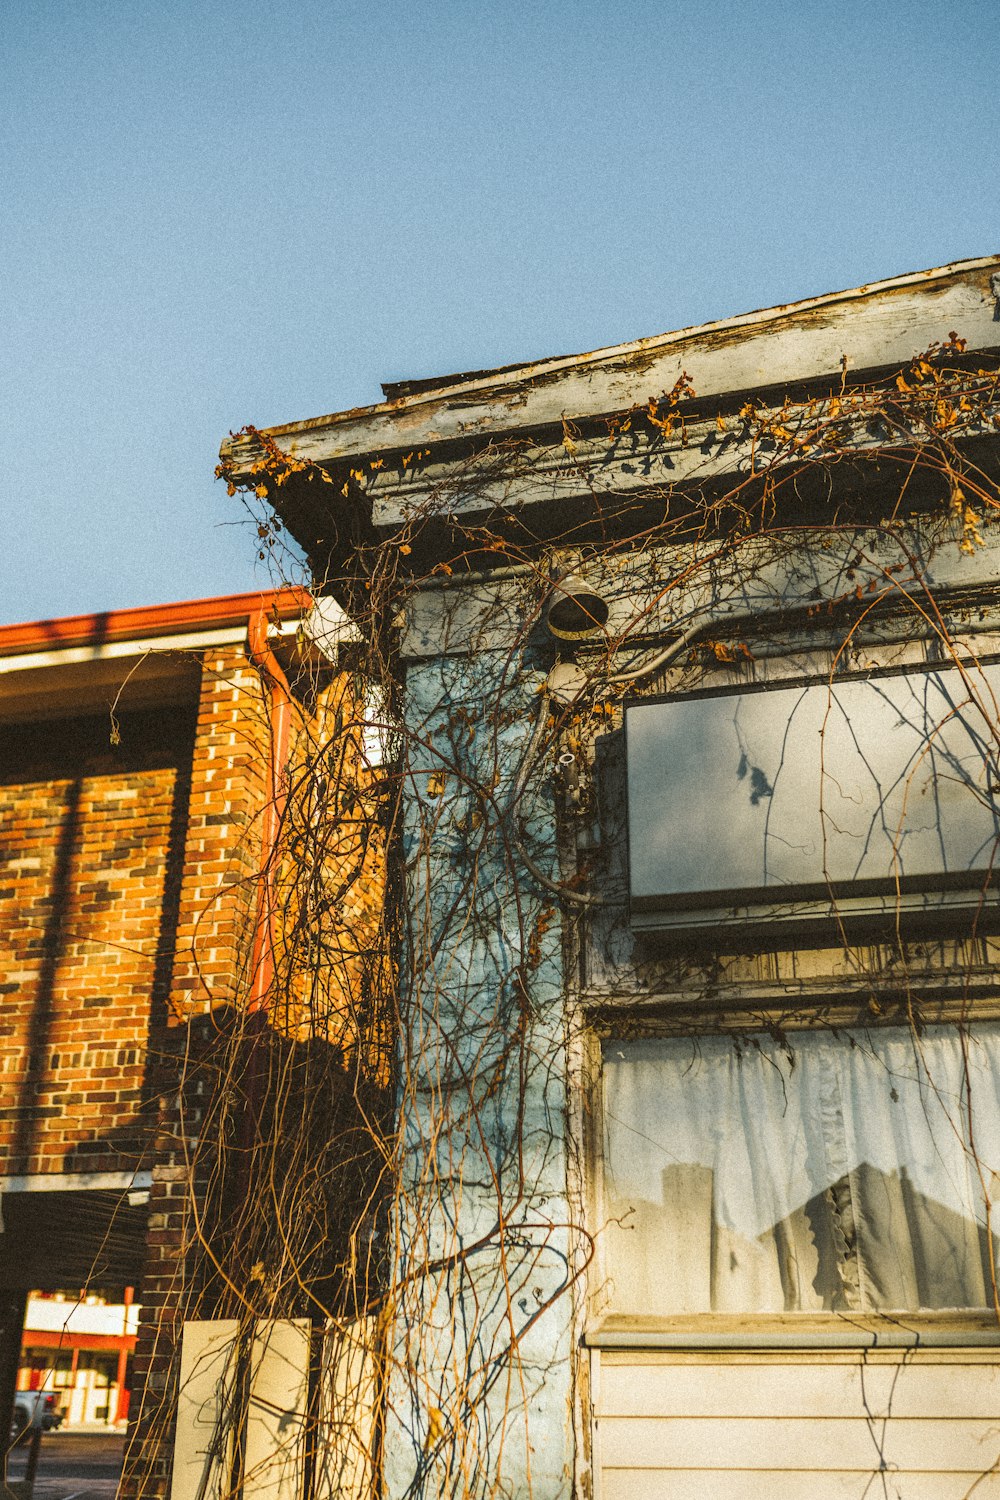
{"points": [[121, 1412]]}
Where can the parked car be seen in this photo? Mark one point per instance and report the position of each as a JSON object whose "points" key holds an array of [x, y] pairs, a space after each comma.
{"points": [[33, 1410]]}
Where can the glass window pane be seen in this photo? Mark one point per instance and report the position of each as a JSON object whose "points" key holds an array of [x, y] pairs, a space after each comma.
{"points": [[843, 1171]]}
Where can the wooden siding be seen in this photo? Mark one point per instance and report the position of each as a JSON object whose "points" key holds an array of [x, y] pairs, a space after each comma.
{"points": [[848, 1424]]}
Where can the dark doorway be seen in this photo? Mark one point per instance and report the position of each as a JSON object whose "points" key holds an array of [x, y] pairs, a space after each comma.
{"points": [[81, 1253]]}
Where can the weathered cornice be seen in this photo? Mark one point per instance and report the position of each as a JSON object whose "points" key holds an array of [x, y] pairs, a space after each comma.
{"points": [[577, 447], [882, 324]]}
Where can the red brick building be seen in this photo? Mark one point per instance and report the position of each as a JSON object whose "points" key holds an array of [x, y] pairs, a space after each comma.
{"points": [[137, 763]]}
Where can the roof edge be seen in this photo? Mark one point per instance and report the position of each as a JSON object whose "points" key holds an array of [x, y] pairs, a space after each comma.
{"points": [[429, 390], [149, 621]]}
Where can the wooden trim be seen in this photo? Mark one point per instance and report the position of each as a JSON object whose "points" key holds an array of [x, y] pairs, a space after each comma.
{"points": [[797, 1331], [78, 1182], [879, 325], [152, 620], [939, 997]]}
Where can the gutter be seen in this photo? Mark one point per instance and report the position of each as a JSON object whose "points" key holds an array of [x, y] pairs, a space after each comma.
{"points": [[152, 620]]}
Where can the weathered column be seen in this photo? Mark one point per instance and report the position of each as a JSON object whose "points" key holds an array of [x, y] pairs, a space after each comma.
{"points": [[480, 1399]]}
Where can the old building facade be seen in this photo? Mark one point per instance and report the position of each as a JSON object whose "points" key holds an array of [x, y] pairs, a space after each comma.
{"points": [[688, 651]]}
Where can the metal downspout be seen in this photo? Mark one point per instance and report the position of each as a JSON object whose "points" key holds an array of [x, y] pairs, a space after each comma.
{"points": [[262, 960]]}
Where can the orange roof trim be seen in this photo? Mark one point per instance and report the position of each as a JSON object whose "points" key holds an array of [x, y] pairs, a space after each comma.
{"points": [[151, 620]]}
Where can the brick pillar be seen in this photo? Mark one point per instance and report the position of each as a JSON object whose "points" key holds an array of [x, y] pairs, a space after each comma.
{"points": [[214, 937], [149, 1442], [228, 783]]}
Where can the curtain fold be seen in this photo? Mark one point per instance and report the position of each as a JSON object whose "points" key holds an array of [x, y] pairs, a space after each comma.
{"points": [[838, 1171]]}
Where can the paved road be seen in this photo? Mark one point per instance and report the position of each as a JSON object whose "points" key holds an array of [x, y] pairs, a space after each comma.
{"points": [[73, 1465]]}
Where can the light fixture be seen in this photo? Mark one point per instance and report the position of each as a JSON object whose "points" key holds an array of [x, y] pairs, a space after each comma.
{"points": [[575, 610]]}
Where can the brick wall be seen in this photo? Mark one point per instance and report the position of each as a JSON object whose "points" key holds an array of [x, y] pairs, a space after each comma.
{"points": [[127, 886], [91, 840], [127, 891], [215, 911], [219, 891]]}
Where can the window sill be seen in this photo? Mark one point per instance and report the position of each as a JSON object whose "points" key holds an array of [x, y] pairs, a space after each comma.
{"points": [[797, 1331]]}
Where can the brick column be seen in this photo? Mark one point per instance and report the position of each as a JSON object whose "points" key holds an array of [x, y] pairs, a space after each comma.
{"points": [[228, 785], [214, 938]]}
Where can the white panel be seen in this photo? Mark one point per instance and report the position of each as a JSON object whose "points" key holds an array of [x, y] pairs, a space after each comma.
{"points": [[775, 1443], [860, 780], [202, 1450], [204, 1438], [279, 1383], [709, 1484], [345, 1458], [841, 1390]]}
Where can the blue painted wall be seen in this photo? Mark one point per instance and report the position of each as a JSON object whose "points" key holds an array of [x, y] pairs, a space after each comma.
{"points": [[480, 1399]]}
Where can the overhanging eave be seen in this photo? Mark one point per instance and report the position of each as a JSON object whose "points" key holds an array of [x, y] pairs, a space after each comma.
{"points": [[882, 324]]}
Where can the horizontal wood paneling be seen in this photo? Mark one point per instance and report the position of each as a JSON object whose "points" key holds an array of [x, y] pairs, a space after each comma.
{"points": [[907, 1426], [842, 1390], [777, 1442], [707, 1484]]}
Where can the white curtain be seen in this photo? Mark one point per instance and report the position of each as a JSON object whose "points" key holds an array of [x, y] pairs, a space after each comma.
{"points": [[844, 1171]]}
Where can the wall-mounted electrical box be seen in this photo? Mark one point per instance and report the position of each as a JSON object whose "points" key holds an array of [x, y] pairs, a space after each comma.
{"points": [[859, 798]]}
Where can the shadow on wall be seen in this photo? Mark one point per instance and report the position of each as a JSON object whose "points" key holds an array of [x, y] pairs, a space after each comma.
{"points": [[93, 846]]}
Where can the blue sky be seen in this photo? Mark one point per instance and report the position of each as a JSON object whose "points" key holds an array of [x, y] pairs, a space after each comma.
{"points": [[218, 213]]}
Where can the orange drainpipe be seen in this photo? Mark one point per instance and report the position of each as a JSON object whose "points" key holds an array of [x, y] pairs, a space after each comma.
{"points": [[262, 962]]}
